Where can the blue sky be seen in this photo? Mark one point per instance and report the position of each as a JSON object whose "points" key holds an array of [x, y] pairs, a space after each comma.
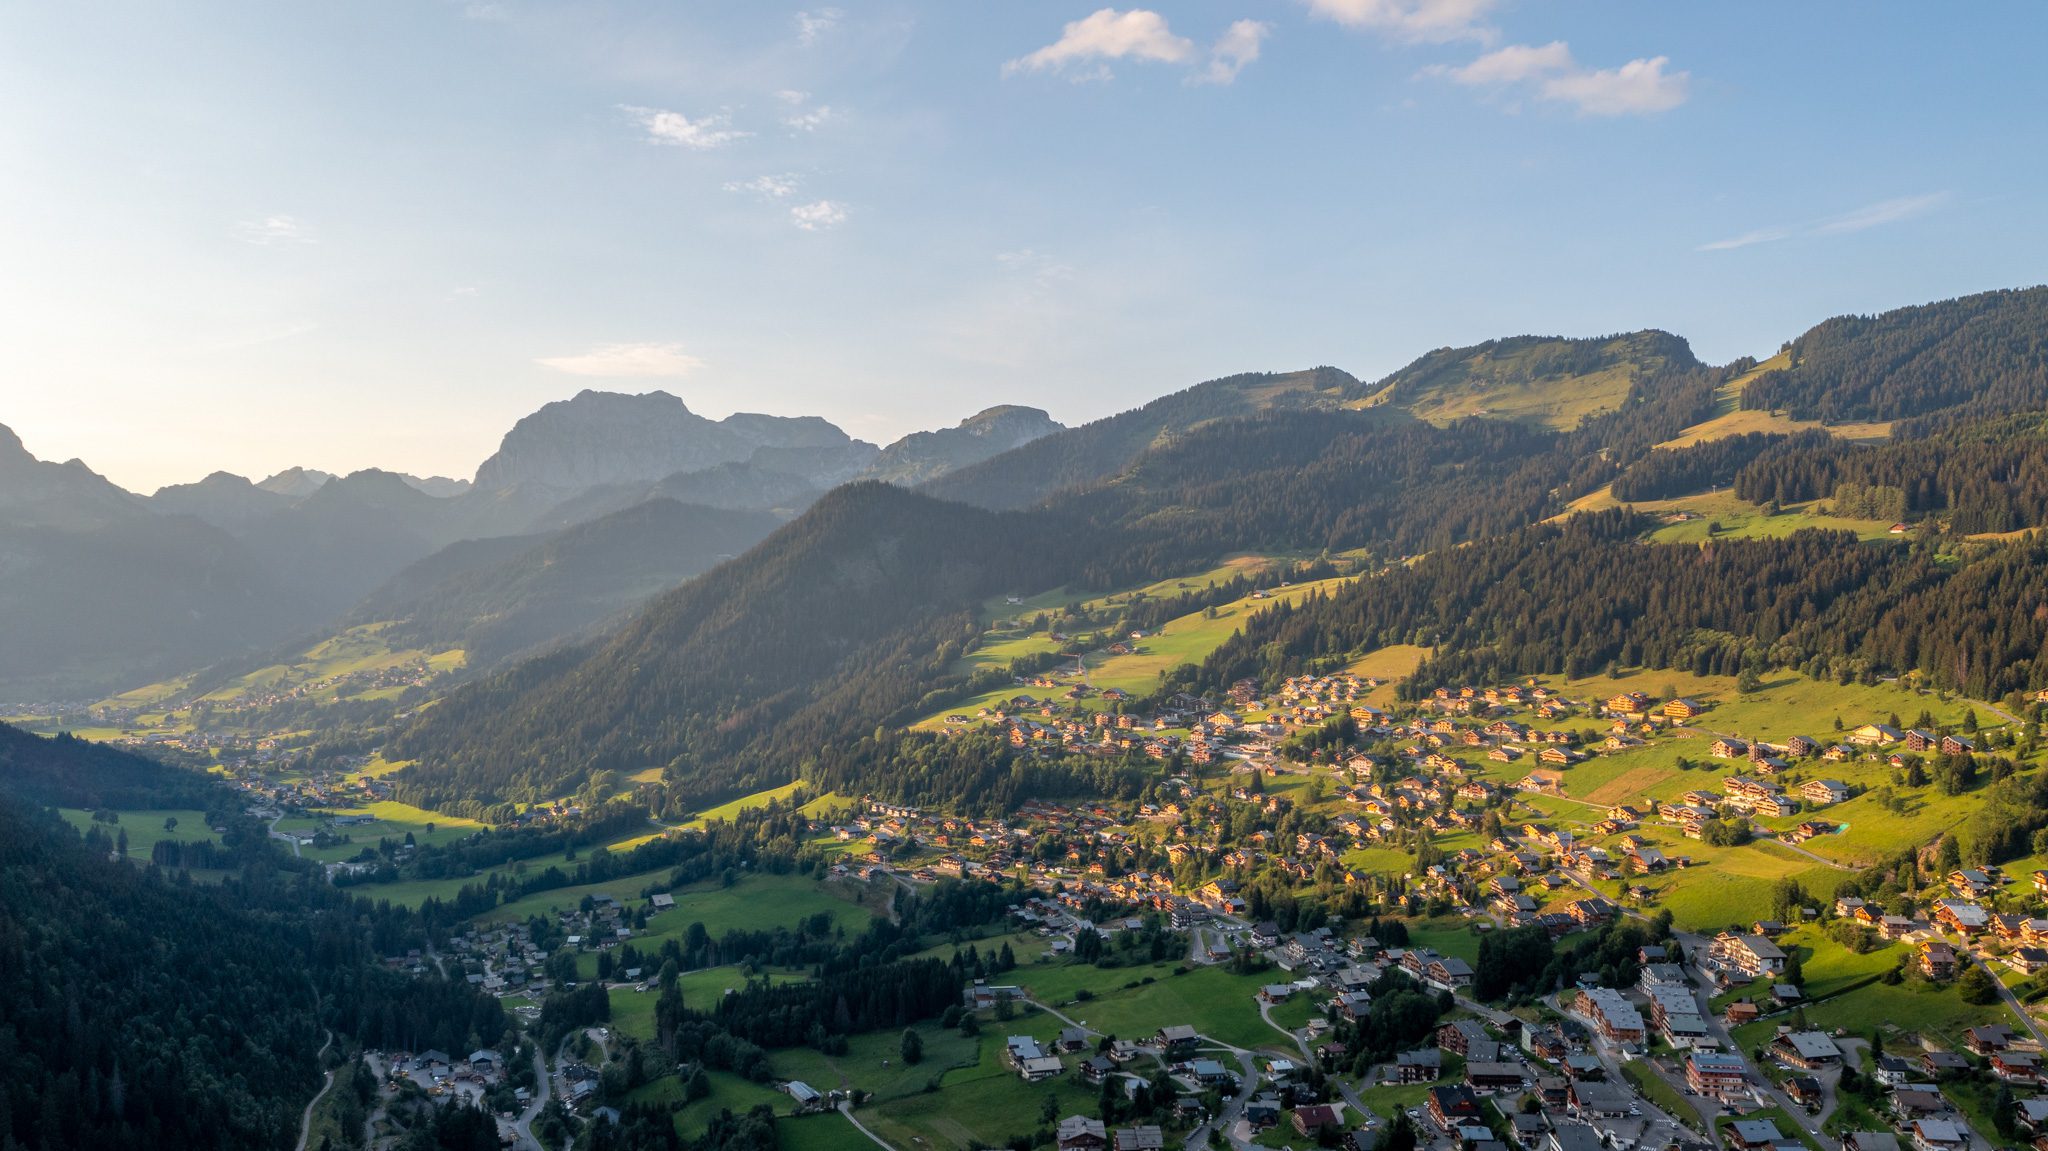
{"points": [[247, 236]]}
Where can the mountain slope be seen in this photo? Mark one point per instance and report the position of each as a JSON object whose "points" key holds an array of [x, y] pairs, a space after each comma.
{"points": [[1094, 451], [604, 438], [36, 493], [1551, 381], [495, 598], [1977, 356], [226, 501], [846, 612], [922, 456]]}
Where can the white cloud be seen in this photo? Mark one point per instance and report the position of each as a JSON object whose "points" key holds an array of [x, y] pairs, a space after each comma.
{"points": [[665, 127], [1515, 64], [1637, 88], [815, 23], [623, 360], [1236, 48], [272, 231], [1104, 35], [818, 216], [1424, 21], [1876, 215], [792, 97], [1881, 213], [812, 120], [769, 187]]}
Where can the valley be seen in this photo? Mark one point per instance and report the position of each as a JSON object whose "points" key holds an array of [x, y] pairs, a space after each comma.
{"points": [[1293, 761]]}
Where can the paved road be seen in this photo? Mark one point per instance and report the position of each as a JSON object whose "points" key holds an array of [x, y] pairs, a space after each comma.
{"points": [[2012, 1001], [846, 1109], [523, 1126], [306, 1120]]}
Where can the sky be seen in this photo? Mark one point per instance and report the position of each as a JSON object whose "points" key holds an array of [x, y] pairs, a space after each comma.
{"points": [[248, 236]]}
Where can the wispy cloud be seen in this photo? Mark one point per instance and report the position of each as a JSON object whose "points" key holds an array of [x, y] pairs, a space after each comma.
{"points": [[1415, 21], [1876, 215], [1088, 45], [768, 187], [272, 231], [812, 120], [1233, 51], [812, 24], [792, 97], [1549, 72], [1106, 35], [674, 128], [626, 360], [818, 216]]}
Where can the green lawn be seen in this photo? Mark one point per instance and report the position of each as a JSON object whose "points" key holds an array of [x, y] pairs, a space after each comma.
{"points": [[826, 1132], [1913, 1008], [146, 828], [728, 1092], [982, 1105], [1210, 999], [874, 1062], [1653, 1087]]}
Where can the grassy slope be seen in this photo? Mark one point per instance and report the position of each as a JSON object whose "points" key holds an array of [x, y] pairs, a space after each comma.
{"points": [[146, 828]]}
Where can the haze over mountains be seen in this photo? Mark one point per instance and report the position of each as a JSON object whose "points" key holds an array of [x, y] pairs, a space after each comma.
{"points": [[593, 505], [107, 588]]}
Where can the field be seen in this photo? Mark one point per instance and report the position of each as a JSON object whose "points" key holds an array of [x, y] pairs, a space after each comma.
{"points": [[394, 821], [1215, 1002], [1914, 1008], [1186, 639], [146, 828], [728, 1092], [980, 1105]]}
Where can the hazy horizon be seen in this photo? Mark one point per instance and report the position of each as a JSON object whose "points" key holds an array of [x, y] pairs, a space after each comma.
{"points": [[254, 238]]}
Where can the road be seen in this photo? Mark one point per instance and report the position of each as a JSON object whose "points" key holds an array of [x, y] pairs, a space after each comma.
{"points": [[306, 1120], [2011, 1001], [846, 1109], [523, 1126], [275, 835]]}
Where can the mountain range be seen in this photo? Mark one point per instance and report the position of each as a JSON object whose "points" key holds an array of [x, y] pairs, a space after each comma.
{"points": [[809, 654], [107, 588]]}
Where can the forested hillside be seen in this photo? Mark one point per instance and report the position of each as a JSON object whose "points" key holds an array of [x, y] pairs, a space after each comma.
{"points": [[1982, 355], [838, 620], [1095, 451], [141, 1009], [1576, 597]]}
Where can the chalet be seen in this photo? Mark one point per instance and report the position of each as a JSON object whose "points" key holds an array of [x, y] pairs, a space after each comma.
{"points": [[1177, 1039], [1824, 791], [1683, 709], [1080, 1133], [2027, 960], [1807, 1050], [1422, 1065], [1943, 1064], [1875, 735], [1716, 1074], [1754, 1135], [1454, 1106], [1961, 917], [1938, 1135], [1611, 1012], [1750, 955], [1144, 1138], [1728, 749], [1805, 1091], [1495, 1076], [1956, 745], [1459, 1036], [2016, 1066], [1314, 1119], [1917, 740], [1629, 703]]}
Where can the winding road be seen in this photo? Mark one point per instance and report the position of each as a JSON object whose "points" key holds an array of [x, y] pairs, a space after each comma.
{"points": [[306, 1120]]}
